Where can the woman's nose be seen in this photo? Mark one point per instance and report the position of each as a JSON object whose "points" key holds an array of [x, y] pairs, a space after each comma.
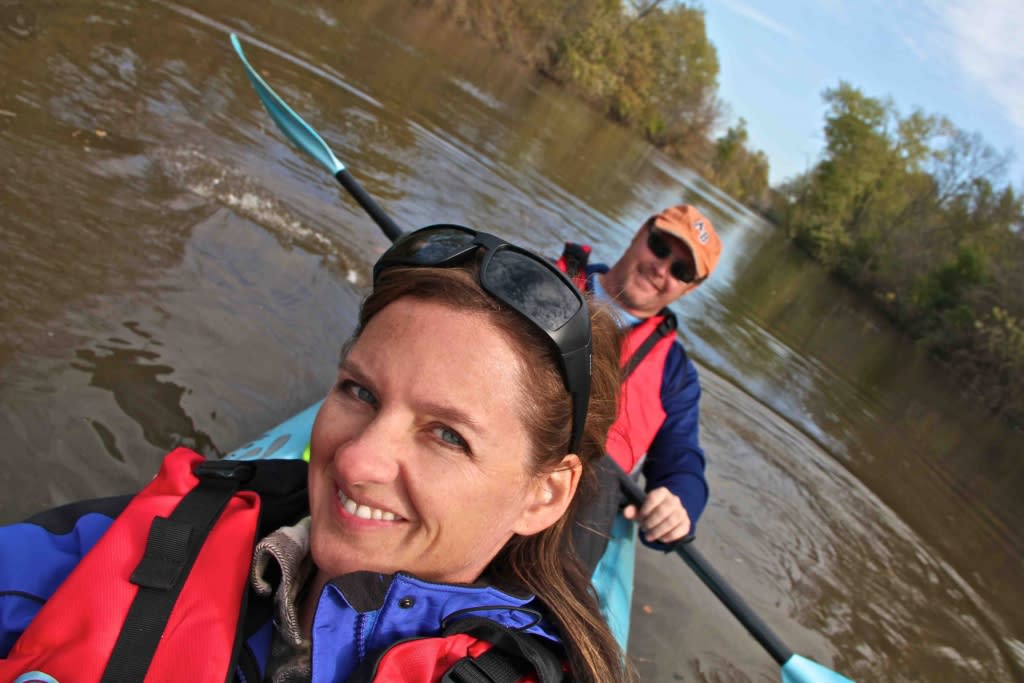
{"points": [[372, 454]]}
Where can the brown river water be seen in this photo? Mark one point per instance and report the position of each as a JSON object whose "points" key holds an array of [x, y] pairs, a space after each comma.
{"points": [[174, 272]]}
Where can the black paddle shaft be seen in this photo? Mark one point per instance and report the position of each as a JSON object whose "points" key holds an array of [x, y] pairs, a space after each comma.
{"points": [[714, 581], [371, 207]]}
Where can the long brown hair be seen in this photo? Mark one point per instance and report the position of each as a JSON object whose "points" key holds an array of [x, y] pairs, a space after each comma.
{"points": [[543, 563]]}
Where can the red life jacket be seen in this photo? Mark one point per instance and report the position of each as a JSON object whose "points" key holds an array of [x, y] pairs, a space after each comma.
{"points": [[641, 413], [573, 262], [643, 356], [474, 649], [150, 553]]}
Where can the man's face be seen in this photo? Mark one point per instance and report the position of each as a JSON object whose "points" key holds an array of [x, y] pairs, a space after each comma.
{"points": [[643, 283]]}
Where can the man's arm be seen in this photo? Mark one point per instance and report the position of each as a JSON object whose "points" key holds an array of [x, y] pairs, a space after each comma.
{"points": [[674, 468]]}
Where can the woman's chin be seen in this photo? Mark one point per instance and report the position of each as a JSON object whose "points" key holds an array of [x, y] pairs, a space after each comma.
{"points": [[333, 563]]}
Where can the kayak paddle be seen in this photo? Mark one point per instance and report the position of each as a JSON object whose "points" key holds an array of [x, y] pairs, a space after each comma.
{"points": [[308, 140], [795, 669]]}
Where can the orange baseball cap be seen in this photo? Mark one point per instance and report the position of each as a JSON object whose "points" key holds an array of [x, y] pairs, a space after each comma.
{"points": [[695, 231]]}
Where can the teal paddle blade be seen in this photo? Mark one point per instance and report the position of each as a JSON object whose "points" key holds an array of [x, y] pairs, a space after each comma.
{"points": [[799, 669], [290, 123]]}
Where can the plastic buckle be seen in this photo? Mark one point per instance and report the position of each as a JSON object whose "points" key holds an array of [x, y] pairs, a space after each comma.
{"points": [[232, 470]]}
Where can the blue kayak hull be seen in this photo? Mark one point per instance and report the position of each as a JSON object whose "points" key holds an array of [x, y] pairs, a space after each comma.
{"points": [[613, 579]]}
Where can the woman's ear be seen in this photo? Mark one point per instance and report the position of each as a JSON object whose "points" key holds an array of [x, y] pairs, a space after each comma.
{"points": [[550, 496]]}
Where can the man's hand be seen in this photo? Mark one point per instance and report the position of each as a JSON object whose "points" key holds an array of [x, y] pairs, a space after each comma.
{"points": [[662, 517]]}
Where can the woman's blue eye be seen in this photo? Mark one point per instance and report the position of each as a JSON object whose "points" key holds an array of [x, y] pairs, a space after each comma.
{"points": [[358, 392], [451, 437]]}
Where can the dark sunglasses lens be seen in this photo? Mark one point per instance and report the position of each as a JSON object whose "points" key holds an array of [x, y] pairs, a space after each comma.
{"points": [[429, 247], [657, 245], [528, 286], [684, 271]]}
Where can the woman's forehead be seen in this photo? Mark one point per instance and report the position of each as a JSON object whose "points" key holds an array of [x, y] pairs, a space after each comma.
{"points": [[441, 357]]}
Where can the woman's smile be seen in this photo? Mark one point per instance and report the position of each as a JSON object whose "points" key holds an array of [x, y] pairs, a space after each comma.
{"points": [[366, 511]]}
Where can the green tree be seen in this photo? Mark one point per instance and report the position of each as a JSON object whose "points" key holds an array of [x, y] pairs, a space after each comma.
{"points": [[652, 69], [909, 209], [738, 170]]}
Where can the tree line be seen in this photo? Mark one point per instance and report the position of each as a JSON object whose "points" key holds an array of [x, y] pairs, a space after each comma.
{"points": [[907, 208], [913, 211]]}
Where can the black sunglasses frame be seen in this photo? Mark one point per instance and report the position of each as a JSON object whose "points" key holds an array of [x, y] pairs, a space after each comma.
{"points": [[684, 271], [572, 338]]}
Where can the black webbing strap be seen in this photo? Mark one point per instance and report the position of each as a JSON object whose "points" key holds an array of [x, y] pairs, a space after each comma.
{"points": [[490, 667], [513, 656], [172, 547], [664, 328]]}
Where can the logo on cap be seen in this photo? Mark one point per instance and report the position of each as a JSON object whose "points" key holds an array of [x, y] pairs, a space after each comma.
{"points": [[702, 233]]}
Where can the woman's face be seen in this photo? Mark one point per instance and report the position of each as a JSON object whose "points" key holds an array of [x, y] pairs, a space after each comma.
{"points": [[419, 459]]}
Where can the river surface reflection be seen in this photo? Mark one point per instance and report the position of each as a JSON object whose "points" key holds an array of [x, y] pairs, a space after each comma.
{"points": [[175, 272]]}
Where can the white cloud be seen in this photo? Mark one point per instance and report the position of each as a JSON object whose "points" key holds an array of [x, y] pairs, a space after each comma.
{"points": [[745, 10], [912, 43], [985, 41]]}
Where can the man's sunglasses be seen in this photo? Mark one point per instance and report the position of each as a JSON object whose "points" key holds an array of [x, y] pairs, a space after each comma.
{"points": [[529, 284], [683, 270]]}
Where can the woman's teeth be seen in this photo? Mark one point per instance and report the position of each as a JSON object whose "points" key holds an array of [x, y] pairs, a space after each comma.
{"points": [[365, 511]]}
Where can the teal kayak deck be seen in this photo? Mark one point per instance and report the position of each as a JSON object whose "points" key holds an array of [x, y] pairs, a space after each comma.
{"points": [[286, 441]]}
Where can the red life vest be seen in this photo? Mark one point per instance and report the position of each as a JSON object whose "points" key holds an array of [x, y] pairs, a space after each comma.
{"points": [[475, 649], [573, 262], [640, 413], [145, 550]]}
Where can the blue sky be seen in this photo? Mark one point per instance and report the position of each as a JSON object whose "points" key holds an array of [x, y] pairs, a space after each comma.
{"points": [[963, 59]]}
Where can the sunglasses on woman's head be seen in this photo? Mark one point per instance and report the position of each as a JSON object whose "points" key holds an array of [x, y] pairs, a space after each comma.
{"points": [[529, 284], [683, 270]]}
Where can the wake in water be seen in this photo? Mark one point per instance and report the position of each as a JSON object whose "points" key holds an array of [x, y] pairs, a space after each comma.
{"points": [[191, 169]]}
